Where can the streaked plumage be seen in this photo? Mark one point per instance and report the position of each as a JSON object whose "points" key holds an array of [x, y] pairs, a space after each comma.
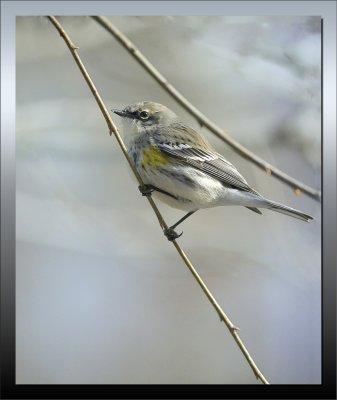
{"points": [[185, 170]]}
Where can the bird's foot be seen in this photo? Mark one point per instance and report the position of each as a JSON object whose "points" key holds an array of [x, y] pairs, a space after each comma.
{"points": [[171, 234], [145, 190]]}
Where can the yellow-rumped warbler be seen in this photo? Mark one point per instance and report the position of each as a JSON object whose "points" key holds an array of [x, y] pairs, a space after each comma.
{"points": [[182, 169]]}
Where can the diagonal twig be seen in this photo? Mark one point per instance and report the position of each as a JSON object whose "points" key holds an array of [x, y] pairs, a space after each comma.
{"points": [[113, 130], [201, 118]]}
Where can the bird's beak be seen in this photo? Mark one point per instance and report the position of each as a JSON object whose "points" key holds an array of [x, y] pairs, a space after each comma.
{"points": [[121, 113]]}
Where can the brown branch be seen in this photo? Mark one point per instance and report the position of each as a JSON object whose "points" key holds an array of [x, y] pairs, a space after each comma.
{"points": [[201, 118], [112, 129]]}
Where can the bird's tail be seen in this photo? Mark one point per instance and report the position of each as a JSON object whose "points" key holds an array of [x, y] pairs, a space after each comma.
{"points": [[272, 205]]}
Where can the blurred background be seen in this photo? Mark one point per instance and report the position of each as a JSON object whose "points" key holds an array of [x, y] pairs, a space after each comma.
{"points": [[101, 296]]}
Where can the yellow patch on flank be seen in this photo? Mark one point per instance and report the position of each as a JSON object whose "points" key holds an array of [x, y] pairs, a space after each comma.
{"points": [[152, 157]]}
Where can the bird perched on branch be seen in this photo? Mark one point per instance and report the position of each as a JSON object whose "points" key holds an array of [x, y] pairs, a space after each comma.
{"points": [[182, 169]]}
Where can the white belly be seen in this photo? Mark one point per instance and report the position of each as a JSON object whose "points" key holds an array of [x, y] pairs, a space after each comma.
{"points": [[193, 189]]}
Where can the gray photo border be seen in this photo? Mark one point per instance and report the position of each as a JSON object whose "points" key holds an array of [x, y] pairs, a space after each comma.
{"points": [[9, 11]]}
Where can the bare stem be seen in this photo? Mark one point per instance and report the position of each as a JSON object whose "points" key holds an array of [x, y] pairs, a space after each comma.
{"points": [[223, 317], [112, 129], [201, 118]]}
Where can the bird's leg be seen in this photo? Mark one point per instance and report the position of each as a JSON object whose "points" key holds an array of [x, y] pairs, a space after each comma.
{"points": [[170, 233], [147, 190], [182, 219]]}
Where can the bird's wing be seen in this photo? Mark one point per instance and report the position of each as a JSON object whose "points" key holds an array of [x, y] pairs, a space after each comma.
{"points": [[207, 161]]}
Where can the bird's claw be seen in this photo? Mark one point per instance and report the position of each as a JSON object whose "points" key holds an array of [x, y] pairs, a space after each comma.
{"points": [[145, 190], [171, 234]]}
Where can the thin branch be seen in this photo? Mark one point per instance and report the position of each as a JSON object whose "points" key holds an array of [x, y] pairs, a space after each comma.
{"points": [[201, 118], [112, 129], [223, 317]]}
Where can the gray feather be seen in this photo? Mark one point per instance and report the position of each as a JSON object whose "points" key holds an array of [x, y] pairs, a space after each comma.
{"points": [[289, 211], [207, 161], [255, 210]]}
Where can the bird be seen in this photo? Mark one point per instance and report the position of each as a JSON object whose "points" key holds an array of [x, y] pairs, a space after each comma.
{"points": [[180, 167]]}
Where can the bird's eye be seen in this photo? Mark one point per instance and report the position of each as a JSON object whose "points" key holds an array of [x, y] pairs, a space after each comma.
{"points": [[144, 115]]}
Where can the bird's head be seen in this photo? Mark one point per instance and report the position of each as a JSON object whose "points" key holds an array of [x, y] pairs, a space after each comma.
{"points": [[146, 115]]}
